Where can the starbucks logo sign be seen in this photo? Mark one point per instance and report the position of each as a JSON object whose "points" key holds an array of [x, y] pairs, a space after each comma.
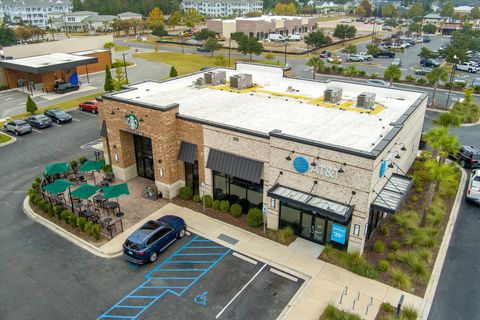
{"points": [[132, 121]]}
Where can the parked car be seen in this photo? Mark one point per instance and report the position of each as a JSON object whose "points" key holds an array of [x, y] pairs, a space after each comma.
{"points": [[355, 58], [276, 37], [426, 39], [18, 127], [294, 37], [145, 244], [325, 54], [468, 157], [422, 71], [473, 187], [461, 80], [387, 28], [58, 115], [476, 83], [384, 53], [397, 62], [467, 66], [202, 49], [430, 63], [378, 82], [65, 87], [334, 59], [405, 45], [89, 105], [39, 121], [366, 56]]}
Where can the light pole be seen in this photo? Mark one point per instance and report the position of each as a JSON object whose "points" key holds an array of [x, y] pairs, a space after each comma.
{"points": [[181, 37], [286, 43], [125, 67], [452, 76], [229, 49]]}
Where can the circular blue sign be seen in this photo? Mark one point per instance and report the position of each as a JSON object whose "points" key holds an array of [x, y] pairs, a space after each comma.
{"points": [[300, 164]]}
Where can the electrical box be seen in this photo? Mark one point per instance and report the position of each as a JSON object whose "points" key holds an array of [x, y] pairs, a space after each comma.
{"points": [[200, 82]]}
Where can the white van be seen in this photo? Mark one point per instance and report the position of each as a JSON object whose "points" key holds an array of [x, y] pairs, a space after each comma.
{"points": [[294, 37], [275, 37]]}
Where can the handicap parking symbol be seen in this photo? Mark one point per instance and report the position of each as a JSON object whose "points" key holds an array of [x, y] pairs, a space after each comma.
{"points": [[201, 299]]}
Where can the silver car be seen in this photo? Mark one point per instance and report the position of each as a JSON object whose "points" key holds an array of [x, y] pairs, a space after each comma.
{"points": [[473, 187], [18, 127], [378, 82]]}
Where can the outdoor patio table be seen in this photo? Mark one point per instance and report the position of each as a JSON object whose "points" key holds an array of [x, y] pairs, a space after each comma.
{"points": [[111, 206], [103, 183], [119, 214], [106, 221], [99, 200]]}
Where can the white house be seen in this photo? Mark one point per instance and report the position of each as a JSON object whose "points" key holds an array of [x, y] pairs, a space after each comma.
{"points": [[34, 12], [129, 15], [223, 8]]}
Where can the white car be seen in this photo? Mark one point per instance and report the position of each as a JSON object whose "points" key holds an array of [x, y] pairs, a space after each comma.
{"points": [[467, 66], [355, 58], [366, 56], [294, 37], [473, 187]]}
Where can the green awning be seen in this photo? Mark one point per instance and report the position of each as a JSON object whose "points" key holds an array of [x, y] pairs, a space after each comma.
{"points": [[85, 191], [115, 191], [55, 168], [57, 186], [92, 165]]}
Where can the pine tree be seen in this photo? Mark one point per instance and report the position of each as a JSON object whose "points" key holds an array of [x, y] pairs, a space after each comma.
{"points": [[108, 86], [173, 72], [31, 105]]}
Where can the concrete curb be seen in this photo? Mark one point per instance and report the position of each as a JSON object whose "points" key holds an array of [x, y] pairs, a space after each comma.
{"points": [[442, 252], [65, 234], [12, 140], [471, 124]]}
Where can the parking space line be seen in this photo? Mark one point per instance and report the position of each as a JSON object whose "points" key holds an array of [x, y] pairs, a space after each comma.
{"points": [[241, 256], [173, 278], [37, 131], [205, 247], [189, 261], [177, 270], [241, 290], [57, 125], [283, 274], [75, 120], [199, 254], [85, 113]]}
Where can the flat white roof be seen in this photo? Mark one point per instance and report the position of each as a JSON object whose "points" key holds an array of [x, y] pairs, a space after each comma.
{"points": [[272, 106], [267, 18], [47, 60]]}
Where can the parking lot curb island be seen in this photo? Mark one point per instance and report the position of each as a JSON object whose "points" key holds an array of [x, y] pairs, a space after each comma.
{"points": [[12, 140]]}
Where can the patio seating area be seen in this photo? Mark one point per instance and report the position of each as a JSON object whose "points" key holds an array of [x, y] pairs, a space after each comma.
{"points": [[98, 196]]}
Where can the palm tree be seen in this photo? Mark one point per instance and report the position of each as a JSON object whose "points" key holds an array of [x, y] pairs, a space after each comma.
{"points": [[434, 77], [438, 173], [447, 120], [442, 143], [52, 31], [350, 71], [392, 73], [316, 63]]}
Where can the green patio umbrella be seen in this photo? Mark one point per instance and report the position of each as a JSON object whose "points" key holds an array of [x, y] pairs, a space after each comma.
{"points": [[115, 191], [92, 166], [57, 186], [85, 191], [56, 168]]}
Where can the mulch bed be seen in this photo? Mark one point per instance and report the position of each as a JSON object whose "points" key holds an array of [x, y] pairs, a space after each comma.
{"points": [[76, 231], [225, 217]]}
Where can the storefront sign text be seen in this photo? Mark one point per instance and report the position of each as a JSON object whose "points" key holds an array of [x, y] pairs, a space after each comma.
{"points": [[339, 233], [301, 165]]}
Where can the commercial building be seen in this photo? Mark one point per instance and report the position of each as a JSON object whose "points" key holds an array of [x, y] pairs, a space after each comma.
{"points": [[34, 12], [327, 159], [223, 8], [261, 27]]}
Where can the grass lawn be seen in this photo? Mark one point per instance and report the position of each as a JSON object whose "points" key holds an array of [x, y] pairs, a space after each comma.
{"points": [[119, 48], [62, 105], [329, 18], [4, 138]]}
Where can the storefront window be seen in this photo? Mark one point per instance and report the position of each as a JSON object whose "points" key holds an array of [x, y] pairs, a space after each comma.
{"points": [[219, 186], [246, 193], [289, 216]]}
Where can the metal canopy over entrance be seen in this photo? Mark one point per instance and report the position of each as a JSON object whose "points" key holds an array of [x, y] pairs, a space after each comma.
{"points": [[187, 152], [235, 166], [391, 196], [331, 209]]}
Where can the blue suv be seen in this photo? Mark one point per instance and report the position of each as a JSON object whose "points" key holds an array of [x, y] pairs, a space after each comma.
{"points": [[153, 237]]}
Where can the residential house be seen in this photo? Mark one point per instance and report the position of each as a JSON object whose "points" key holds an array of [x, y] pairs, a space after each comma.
{"points": [[129, 15], [223, 8], [34, 12]]}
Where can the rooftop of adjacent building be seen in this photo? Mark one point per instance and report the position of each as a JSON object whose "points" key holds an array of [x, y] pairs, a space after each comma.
{"points": [[294, 106], [35, 3], [265, 18], [49, 59]]}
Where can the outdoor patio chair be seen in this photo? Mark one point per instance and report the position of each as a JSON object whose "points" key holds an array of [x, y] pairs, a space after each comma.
{"points": [[109, 176]]}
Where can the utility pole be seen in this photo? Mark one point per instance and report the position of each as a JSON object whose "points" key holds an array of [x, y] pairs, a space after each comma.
{"points": [[452, 76], [65, 23], [229, 50], [125, 67], [286, 53]]}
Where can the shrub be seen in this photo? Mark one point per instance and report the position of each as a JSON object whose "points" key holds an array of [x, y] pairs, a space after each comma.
{"points": [[407, 219], [379, 246], [81, 222], [107, 168], [82, 159], [410, 78], [72, 220], [197, 198], [96, 231], [224, 206], [414, 198], [391, 256], [73, 165], [236, 210], [362, 73], [400, 279], [255, 217], [207, 199], [65, 215], [186, 193], [89, 227], [57, 211], [419, 269], [374, 75], [425, 254], [173, 72], [394, 245], [384, 230], [216, 204], [332, 313], [359, 266], [421, 81], [383, 265], [387, 307], [409, 313]]}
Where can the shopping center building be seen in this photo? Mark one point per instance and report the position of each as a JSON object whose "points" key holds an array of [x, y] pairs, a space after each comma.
{"points": [[328, 159]]}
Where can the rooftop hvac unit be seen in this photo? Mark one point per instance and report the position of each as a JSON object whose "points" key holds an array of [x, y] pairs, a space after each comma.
{"points": [[215, 78], [241, 81], [200, 82], [366, 100], [332, 94]]}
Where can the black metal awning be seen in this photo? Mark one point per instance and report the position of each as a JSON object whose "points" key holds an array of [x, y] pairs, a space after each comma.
{"points": [[235, 166], [103, 130], [334, 210], [390, 198], [187, 152]]}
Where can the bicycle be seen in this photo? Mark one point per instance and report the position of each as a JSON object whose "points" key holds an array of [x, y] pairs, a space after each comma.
{"points": [[151, 192]]}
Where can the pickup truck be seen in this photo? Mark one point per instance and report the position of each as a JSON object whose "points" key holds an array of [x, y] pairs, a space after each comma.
{"points": [[467, 66], [367, 57]]}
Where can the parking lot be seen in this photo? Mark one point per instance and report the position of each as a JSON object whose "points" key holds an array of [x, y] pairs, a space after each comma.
{"points": [[206, 280]]}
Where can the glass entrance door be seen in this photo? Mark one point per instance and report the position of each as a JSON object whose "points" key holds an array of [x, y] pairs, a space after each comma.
{"points": [[306, 230], [144, 156], [191, 176], [318, 230], [312, 227]]}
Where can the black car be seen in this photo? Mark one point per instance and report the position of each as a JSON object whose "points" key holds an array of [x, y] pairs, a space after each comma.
{"points": [[39, 121], [202, 49], [58, 115], [65, 87], [468, 157], [429, 63], [384, 53]]}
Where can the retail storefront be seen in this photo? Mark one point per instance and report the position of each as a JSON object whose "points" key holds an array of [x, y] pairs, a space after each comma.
{"points": [[330, 171]]}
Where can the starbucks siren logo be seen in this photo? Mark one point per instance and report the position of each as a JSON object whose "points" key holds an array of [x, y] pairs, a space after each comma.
{"points": [[132, 121]]}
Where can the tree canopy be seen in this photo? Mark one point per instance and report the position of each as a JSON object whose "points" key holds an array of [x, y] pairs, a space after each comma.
{"points": [[155, 18], [250, 46], [344, 31], [317, 39], [284, 9], [447, 10], [416, 10], [389, 10], [366, 8], [7, 36], [117, 6], [191, 18]]}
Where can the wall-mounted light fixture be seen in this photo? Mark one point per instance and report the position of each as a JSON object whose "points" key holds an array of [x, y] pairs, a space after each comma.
{"points": [[159, 160], [341, 167], [112, 112], [114, 146], [403, 148], [290, 154], [161, 172], [314, 162], [390, 165], [351, 198]]}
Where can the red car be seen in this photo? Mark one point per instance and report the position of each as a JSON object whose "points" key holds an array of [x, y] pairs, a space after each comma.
{"points": [[90, 105]]}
